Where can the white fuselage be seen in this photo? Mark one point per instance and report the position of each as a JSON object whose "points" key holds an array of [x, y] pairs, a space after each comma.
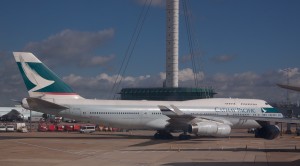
{"points": [[147, 115]]}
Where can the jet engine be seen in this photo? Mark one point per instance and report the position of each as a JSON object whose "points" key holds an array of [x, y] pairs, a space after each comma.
{"points": [[25, 103], [267, 132], [209, 129]]}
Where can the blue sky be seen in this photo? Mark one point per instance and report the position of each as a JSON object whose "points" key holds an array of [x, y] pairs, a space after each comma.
{"points": [[86, 40]]}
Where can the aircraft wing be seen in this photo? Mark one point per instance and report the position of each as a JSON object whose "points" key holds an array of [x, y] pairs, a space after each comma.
{"points": [[178, 116], [176, 113], [178, 120], [44, 106], [295, 88]]}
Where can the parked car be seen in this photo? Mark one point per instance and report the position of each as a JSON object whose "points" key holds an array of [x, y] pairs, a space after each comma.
{"points": [[69, 127], [60, 128], [2, 128], [87, 129], [51, 127], [21, 127], [76, 127], [251, 130], [42, 127], [24, 129], [10, 128]]}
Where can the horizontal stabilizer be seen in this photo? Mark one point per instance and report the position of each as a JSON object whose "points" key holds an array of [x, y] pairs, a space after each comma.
{"points": [[44, 106]]}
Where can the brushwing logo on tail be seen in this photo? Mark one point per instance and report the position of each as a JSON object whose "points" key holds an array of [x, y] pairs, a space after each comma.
{"points": [[34, 77]]}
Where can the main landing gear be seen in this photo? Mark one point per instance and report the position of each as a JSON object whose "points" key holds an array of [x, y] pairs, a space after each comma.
{"points": [[184, 136], [162, 134]]}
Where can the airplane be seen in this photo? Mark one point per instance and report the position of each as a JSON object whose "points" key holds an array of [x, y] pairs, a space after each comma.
{"points": [[295, 88], [202, 117], [17, 113]]}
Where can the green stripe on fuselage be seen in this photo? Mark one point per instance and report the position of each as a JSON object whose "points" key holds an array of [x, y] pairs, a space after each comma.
{"points": [[269, 110]]}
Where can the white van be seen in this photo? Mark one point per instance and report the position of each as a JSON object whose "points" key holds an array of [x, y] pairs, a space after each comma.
{"points": [[10, 128], [87, 129], [2, 128]]}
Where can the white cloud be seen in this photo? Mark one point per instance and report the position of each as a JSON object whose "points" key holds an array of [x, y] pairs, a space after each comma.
{"points": [[221, 77], [100, 86], [294, 76], [72, 46], [289, 72], [72, 79], [184, 75], [188, 75], [246, 78], [250, 85]]}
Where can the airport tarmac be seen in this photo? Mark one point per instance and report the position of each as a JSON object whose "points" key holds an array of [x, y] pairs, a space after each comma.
{"points": [[138, 148]]}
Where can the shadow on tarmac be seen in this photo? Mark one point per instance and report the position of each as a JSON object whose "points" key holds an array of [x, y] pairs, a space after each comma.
{"points": [[294, 163], [177, 148], [77, 136]]}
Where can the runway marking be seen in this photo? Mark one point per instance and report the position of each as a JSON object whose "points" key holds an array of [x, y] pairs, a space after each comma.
{"points": [[54, 149]]}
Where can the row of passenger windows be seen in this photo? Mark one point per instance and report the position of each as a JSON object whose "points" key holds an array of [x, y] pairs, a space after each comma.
{"points": [[202, 113], [230, 103], [156, 113], [121, 113], [248, 104], [241, 103], [159, 113]]}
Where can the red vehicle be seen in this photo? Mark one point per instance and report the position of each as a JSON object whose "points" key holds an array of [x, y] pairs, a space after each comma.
{"points": [[51, 127], [42, 127], [69, 127], [60, 128], [76, 127], [115, 129]]}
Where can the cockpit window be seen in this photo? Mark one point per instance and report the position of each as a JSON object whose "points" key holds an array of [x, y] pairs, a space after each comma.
{"points": [[267, 103]]}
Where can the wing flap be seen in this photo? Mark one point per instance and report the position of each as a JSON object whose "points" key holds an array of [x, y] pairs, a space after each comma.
{"points": [[175, 113]]}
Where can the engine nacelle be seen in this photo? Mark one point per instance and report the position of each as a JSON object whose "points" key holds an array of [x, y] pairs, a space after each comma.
{"points": [[25, 103], [267, 132], [209, 129]]}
